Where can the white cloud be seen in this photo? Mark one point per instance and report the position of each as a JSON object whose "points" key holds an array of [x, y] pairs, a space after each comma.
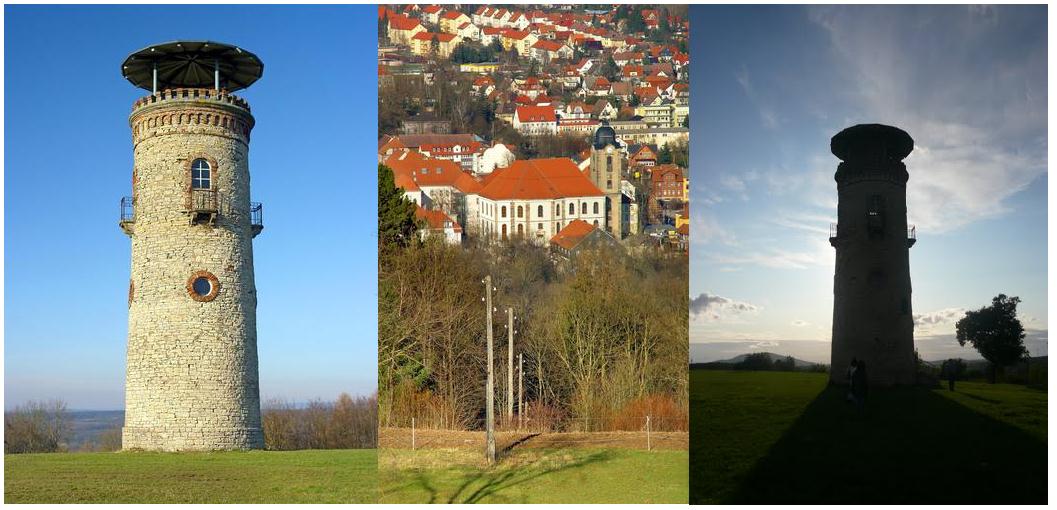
{"points": [[979, 126], [937, 322], [800, 323], [713, 308]]}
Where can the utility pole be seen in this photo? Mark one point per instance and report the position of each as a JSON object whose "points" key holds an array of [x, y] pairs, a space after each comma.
{"points": [[520, 389], [490, 381], [510, 366]]}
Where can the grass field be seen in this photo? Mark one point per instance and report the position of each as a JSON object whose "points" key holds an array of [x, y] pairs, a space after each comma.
{"points": [[533, 474], [308, 476], [784, 437]]}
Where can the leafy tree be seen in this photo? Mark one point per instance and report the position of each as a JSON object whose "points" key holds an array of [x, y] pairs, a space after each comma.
{"points": [[396, 214], [610, 69], [496, 46], [995, 332], [664, 156], [635, 22]]}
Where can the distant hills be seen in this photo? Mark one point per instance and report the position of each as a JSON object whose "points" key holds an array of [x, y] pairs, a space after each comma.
{"points": [[758, 361], [798, 363], [87, 425]]}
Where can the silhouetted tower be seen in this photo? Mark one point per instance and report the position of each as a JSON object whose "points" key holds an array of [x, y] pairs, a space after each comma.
{"points": [[607, 169], [191, 377], [872, 314]]}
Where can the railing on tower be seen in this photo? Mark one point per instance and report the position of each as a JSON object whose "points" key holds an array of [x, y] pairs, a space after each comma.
{"points": [[256, 217], [203, 201], [128, 214], [128, 210]]}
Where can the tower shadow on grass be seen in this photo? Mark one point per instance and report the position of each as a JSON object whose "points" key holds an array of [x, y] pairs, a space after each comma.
{"points": [[909, 445]]}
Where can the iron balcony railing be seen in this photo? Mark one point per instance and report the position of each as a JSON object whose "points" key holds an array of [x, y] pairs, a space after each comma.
{"points": [[128, 210], [257, 215], [203, 201], [912, 232]]}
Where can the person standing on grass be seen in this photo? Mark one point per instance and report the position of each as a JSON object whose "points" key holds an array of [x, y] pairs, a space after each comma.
{"points": [[858, 384], [951, 371]]}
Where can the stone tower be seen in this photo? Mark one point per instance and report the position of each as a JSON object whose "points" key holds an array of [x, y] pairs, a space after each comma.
{"points": [[607, 169], [191, 379], [872, 314]]}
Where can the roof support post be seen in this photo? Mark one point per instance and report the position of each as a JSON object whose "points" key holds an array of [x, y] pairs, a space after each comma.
{"points": [[154, 86]]}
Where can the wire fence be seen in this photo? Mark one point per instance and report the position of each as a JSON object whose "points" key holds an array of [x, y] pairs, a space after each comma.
{"points": [[649, 436]]}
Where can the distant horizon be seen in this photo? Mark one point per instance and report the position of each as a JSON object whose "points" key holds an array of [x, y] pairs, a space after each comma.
{"points": [[938, 347]]}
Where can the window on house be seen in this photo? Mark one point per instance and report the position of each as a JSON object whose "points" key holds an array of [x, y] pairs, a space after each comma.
{"points": [[502, 212], [539, 211], [201, 176], [596, 208], [520, 212], [583, 208], [572, 208]]}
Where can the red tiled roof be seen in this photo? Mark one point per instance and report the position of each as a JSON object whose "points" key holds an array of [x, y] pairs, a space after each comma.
{"points": [[660, 171], [546, 45], [430, 9], [452, 15], [431, 172], [573, 234], [516, 34], [536, 179], [536, 114], [436, 219], [400, 22]]}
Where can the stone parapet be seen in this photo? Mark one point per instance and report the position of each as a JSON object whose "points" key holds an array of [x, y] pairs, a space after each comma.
{"points": [[191, 111]]}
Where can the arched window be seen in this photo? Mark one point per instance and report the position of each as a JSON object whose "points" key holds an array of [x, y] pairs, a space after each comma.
{"points": [[504, 232], [502, 211], [572, 208], [557, 209], [539, 211], [596, 207], [520, 230], [539, 227], [583, 208], [520, 212], [596, 223], [609, 163], [201, 176]]}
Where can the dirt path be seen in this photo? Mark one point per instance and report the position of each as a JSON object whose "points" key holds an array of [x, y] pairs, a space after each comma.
{"points": [[401, 438]]}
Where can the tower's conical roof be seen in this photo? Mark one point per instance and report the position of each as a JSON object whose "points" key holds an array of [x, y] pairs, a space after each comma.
{"points": [[191, 64]]}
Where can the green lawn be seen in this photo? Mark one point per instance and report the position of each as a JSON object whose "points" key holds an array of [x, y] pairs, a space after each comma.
{"points": [[783, 437], [309, 476], [534, 475]]}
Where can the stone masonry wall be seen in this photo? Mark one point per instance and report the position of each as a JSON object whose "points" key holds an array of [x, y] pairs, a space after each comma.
{"points": [[192, 381]]}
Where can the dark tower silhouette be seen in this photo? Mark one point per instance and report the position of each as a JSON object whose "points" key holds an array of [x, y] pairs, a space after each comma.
{"points": [[872, 314]]}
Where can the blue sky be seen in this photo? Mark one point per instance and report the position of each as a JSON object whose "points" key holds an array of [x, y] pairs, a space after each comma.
{"points": [[68, 161], [772, 84]]}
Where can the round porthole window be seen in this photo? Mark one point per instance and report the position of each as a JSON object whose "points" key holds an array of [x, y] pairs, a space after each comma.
{"points": [[203, 286]]}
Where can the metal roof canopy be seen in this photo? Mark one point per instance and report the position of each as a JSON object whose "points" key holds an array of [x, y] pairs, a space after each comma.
{"points": [[192, 64]]}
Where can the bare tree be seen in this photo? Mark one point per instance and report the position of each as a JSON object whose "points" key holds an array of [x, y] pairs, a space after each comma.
{"points": [[37, 427]]}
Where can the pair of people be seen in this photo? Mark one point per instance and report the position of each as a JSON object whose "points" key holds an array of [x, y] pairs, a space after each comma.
{"points": [[857, 382]]}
